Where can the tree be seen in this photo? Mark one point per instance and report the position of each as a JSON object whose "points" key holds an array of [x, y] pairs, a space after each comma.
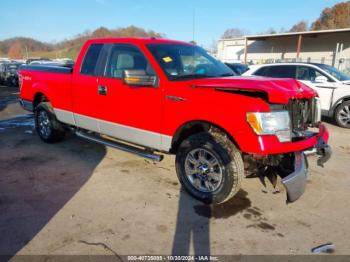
{"points": [[101, 32], [15, 51], [233, 33], [269, 31], [299, 27], [335, 17]]}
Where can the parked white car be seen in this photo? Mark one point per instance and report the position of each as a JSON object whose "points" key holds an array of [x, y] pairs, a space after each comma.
{"points": [[332, 85]]}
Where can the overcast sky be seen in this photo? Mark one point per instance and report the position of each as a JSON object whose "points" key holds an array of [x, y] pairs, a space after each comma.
{"points": [[49, 21]]}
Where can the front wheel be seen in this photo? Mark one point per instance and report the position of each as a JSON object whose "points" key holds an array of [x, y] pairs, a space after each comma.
{"points": [[210, 167], [342, 114], [47, 125]]}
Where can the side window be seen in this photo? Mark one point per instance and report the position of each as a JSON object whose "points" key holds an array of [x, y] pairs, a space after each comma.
{"points": [[308, 73], [89, 65], [126, 57], [261, 71], [281, 71]]}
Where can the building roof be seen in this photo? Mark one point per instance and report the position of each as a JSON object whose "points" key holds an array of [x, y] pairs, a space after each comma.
{"points": [[311, 33]]}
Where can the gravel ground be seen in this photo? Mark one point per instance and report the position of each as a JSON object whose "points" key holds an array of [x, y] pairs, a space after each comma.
{"points": [[78, 197]]}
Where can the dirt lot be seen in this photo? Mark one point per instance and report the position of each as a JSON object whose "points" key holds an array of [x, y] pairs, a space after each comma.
{"points": [[77, 197]]}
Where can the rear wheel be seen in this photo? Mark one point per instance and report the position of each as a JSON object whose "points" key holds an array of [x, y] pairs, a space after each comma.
{"points": [[47, 125], [210, 167], [342, 114]]}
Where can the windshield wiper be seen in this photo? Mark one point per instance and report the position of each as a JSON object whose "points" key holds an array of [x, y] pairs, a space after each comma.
{"points": [[227, 74], [193, 76]]}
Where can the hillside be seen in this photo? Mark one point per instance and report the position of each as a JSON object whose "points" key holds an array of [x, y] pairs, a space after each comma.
{"points": [[19, 47]]}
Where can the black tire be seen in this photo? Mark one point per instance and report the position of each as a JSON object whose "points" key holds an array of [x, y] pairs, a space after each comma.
{"points": [[229, 158], [342, 112], [47, 125]]}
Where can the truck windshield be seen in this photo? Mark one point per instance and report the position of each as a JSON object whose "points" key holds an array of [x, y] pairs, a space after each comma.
{"points": [[335, 72], [182, 62]]}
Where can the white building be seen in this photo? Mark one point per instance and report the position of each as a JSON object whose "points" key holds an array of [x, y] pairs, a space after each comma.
{"points": [[327, 46]]}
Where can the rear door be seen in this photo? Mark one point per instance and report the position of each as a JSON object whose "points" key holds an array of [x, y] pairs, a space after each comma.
{"points": [[307, 75], [130, 113], [86, 99]]}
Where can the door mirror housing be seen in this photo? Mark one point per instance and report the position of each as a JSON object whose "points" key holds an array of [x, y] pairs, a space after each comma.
{"points": [[321, 79], [139, 78]]}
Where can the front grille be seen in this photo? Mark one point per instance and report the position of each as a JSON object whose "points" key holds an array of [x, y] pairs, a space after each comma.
{"points": [[301, 113]]}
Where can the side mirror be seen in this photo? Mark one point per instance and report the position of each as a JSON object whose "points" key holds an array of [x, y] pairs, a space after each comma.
{"points": [[138, 78], [321, 79]]}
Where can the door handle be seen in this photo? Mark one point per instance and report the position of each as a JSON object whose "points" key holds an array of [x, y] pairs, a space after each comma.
{"points": [[102, 90], [176, 98]]}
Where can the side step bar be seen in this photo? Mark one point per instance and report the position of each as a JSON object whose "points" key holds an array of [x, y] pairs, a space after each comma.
{"points": [[121, 146]]}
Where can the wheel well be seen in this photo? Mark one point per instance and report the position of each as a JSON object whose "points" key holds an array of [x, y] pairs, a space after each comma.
{"points": [[192, 128], [38, 98], [337, 104]]}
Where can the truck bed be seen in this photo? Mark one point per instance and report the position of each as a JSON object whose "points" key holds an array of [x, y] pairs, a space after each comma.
{"points": [[50, 80]]}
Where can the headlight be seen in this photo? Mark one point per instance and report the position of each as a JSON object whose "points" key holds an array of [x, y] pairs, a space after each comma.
{"points": [[272, 123]]}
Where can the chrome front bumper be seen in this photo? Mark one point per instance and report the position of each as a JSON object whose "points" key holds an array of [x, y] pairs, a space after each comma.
{"points": [[295, 183]]}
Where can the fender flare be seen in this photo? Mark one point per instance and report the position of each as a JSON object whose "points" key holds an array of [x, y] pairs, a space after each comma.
{"points": [[196, 126]]}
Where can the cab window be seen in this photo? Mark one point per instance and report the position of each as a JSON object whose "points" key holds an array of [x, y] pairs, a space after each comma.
{"points": [[89, 66], [126, 57]]}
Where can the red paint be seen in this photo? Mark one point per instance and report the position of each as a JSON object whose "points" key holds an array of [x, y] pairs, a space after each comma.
{"points": [[147, 108]]}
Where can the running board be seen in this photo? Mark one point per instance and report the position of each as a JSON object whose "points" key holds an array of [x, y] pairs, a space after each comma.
{"points": [[120, 146]]}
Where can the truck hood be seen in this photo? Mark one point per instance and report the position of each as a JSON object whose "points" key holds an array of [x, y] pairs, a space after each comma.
{"points": [[277, 90]]}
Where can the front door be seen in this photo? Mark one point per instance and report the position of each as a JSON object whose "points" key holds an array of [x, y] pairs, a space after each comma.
{"points": [[130, 113], [308, 75]]}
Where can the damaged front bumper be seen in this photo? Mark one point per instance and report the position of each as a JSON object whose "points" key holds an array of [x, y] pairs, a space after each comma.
{"points": [[324, 151], [295, 183]]}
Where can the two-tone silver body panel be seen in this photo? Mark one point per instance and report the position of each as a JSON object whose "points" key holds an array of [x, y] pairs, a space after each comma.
{"points": [[126, 133]]}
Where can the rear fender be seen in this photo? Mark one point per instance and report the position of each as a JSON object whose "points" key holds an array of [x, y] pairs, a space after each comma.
{"points": [[42, 90]]}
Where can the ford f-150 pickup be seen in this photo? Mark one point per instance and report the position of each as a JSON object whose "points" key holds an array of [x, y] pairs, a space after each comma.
{"points": [[151, 96]]}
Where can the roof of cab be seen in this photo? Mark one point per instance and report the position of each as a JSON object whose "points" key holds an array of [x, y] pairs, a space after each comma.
{"points": [[137, 40]]}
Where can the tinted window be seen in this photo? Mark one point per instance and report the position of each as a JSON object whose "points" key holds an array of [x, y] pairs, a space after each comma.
{"points": [[126, 57], [261, 71], [90, 61], [281, 71], [307, 73]]}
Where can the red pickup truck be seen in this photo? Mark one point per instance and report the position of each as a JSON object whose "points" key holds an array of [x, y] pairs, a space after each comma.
{"points": [[153, 96]]}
